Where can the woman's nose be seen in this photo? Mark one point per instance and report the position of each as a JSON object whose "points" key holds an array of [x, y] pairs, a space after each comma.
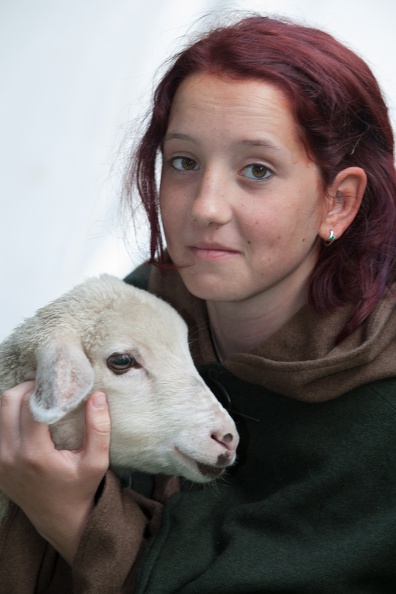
{"points": [[211, 203]]}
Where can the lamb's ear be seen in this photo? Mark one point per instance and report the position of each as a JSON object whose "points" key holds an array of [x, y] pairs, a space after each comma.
{"points": [[64, 378]]}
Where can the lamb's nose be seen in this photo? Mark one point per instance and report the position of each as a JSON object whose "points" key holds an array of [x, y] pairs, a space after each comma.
{"points": [[228, 440]]}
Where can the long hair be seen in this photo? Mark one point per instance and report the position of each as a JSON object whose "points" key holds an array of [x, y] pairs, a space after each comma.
{"points": [[343, 121]]}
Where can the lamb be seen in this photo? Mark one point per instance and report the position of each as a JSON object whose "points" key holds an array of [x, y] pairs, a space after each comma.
{"points": [[109, 336]]}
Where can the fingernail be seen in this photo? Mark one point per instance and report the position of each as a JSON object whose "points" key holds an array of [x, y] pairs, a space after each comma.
{"points": [[99, 401]]}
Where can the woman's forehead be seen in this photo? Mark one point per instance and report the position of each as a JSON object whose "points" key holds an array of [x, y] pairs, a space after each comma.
{"points": [[228, 92], [250, 112]]}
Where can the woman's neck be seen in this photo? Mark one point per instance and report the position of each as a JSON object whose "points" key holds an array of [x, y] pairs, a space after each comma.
{"points": [[238, 327]]}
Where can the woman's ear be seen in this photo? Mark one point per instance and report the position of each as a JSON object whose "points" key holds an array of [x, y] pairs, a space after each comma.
{"points": [[344, 197]]}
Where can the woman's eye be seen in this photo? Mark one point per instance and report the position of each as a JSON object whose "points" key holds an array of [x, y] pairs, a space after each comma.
{"points": [[120, 363], [257, 171], [184, 164]]}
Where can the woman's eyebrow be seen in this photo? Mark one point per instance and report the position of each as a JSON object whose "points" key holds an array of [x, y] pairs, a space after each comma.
{"points": [[178, 136], [247, 142], [263, 143], [267, 144]]}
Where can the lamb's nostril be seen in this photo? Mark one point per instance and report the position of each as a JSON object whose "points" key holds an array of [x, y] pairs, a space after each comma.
{"points": [[224, 440]]}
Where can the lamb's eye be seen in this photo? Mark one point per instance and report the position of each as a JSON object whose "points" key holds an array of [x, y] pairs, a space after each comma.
{"points": [[121, 363]]}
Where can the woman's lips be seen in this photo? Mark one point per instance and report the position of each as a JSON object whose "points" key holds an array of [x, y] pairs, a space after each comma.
{"points": [[211, 252]]}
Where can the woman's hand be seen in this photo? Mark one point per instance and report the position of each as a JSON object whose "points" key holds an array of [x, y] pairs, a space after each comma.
{"points": [[55, 488]]}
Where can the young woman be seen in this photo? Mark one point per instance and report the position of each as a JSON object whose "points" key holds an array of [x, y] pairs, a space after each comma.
{"points": [[277, 198]]}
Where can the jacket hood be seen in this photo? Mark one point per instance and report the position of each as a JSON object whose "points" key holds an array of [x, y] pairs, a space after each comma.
{"points": [[300, 360]]}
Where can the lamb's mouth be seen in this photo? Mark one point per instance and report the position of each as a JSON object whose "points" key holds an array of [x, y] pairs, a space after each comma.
{"points": [[207, 470]]}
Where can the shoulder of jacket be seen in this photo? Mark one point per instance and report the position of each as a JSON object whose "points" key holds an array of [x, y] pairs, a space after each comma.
{"points": [[140, 276]]}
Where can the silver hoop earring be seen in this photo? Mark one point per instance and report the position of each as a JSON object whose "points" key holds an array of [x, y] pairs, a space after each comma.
{"points": [[332, 238]]}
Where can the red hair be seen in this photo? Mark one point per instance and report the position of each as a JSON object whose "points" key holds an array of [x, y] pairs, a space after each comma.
{"points": [[343, 121]]}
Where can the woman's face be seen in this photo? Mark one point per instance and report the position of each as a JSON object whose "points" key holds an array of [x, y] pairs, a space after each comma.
{"points": [[241, 202]]}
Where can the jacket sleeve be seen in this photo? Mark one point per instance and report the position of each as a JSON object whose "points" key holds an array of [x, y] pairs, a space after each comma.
{"points": [[28, 564], [114, 539], [108, 554]]}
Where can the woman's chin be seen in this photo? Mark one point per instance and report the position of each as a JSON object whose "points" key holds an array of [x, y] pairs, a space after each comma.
{"points": [[210, 289]]}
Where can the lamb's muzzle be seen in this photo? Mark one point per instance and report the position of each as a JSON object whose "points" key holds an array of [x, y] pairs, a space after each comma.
{"points": [[217, 454]]}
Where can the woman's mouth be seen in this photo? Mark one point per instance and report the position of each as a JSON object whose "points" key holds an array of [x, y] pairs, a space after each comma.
{"points": [[211, 252]]}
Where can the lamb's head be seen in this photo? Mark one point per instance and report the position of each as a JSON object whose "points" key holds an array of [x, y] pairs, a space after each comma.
{"points": [[135, 348]]}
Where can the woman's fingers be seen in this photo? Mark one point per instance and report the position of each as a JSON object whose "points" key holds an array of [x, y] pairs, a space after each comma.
{"points": [[11, 403], [24, 442], [97, 432]]}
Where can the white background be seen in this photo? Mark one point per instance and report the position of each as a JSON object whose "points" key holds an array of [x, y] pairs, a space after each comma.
{"points": [[74, 76]]}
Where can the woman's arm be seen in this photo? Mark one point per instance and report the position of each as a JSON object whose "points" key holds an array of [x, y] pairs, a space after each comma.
{"points": [[55, 488]]}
